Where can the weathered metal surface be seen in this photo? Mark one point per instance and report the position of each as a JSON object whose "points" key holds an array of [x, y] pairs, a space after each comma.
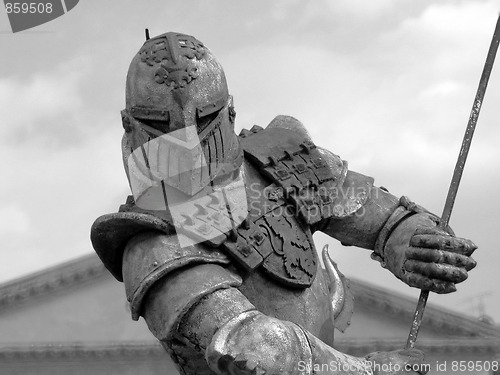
{"points": [[215, 246], [341, 299]]}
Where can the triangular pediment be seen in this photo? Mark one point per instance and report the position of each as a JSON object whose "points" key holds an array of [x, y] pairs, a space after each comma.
{"points": [[80, 301], [75, 302]]}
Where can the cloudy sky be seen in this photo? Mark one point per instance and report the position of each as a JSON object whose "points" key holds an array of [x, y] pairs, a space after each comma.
{"points": [[388, 85]]}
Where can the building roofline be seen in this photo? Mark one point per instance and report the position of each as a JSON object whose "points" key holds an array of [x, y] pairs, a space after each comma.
{"points": [[50, 280], [89, 268], [436, 317]]}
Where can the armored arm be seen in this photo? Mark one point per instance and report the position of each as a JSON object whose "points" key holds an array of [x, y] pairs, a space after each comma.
{"points": [[404, 237], [207, 325], [368, 209], [224, 330]]}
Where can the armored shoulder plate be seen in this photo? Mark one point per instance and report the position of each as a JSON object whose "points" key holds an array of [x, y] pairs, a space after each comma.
{"points": [[110, 233], [297, 167]]}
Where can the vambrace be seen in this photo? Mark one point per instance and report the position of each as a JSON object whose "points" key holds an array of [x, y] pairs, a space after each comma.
{"points": [[254, 343], [403, 211], [364, 222], [169, 300]]}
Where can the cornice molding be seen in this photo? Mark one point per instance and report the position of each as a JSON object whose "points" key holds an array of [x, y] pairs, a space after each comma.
{"points": [[89, 268], [435, 317], [140, 350], [50, 281], [487, 346], [65, 351]]}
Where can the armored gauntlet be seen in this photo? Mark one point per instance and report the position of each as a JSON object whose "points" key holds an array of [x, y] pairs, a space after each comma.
{"points": [[417, 251]]}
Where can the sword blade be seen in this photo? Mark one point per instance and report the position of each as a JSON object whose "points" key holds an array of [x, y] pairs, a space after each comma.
{"points": [[459, 169]]}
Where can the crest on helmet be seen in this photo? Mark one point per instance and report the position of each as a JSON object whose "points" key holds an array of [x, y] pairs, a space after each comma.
{"points": [[171, 54]]}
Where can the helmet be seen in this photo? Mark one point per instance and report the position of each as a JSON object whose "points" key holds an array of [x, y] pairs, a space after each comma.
{"points": [[179, 117]]}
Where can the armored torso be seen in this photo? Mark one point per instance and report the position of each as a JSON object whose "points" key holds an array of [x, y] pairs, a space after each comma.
{"points": [[290, 187]]}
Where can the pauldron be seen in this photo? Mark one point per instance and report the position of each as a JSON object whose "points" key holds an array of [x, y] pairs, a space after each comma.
{"points": [[299, 170]]}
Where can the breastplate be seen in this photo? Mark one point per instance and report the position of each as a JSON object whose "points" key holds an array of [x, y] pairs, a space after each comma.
{"points": [[272, 236]]}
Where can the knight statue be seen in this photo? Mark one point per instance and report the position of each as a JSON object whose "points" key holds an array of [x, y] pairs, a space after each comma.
{"points": [[214, 246]]}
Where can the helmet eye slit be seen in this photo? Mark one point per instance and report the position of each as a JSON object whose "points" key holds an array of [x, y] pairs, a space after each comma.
{"points": [[204, 121], [154, 128], [206, 114]]}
